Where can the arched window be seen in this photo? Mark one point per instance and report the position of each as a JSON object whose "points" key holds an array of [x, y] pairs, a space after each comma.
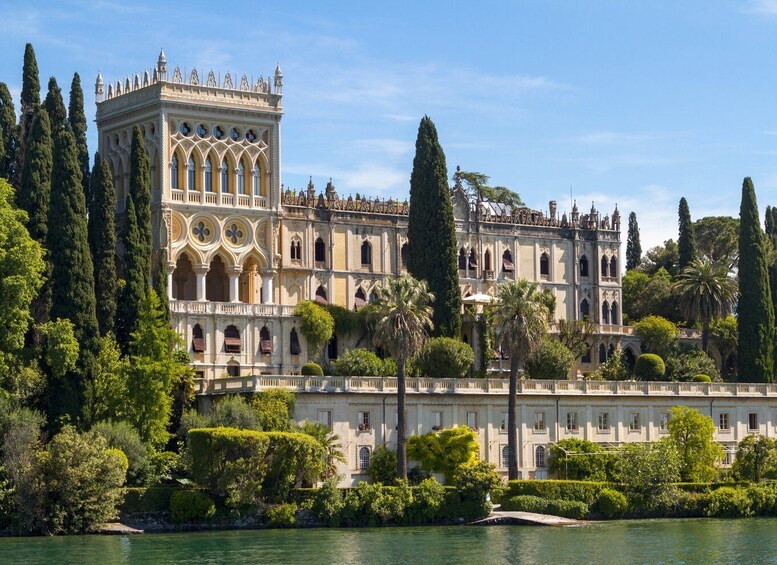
{"points": [[539, 456], [294, 346], [583, 266], [585, 309], [605, 313], [462, 260], [198, 339], [610, 350], [613, 267], [232, 341], [505, 456], [507, 261], [404, 255], [364, 458], [487, 260], [296, 249], [320, 250], [233, 369], [586, 358], [602, 353], [224, 176], [614, 313], [241, 178], [605, 264], [257, 182], [191, 175], [366, 254], [544, 265], [631, 359], [331, 348], [208, 175], [265, 341], [174, 172], [321, 295], [473, 260], [360, 298]]}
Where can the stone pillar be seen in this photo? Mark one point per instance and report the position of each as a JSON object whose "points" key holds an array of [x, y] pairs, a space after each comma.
{"points": [[201, 272], [234, 283], [267, 288], [170, 271]]}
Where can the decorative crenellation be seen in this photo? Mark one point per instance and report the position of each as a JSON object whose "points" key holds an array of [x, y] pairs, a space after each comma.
{"points": [[159, 73]]}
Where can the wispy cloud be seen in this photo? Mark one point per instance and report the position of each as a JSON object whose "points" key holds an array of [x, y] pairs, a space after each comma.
{"points": [[616, 138], [768, 7]]}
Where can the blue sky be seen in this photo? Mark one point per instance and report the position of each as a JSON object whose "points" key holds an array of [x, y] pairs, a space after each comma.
{"points": [[634, 102]]}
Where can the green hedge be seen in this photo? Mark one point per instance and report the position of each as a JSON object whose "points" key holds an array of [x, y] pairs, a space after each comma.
{"points": [[580, 491], [555, 507], [151, 499], [191, 506]]}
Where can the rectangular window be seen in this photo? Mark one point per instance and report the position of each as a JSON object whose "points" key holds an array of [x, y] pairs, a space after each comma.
{"points": [[664, 425], [504, 452], [325, 418], [724, 425], [730, 456], [539, 422], [752, 422], [503, 423], [472, 420], [634, 422], [364, 421], [436, 420], [604, 422], [572, 422]]}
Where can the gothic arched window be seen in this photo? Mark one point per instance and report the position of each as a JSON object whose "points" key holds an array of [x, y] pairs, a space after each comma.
{"points": [[507, 261], [320, 251], [583, 266], [198, 339], [539, 456], [544, 265], [321, 295], [605, 264], [404, 255], [613, 267], [487, 260], [462, 260], [174, 172], [191, 175], [241, 178], [296, 249], [614, 313], [364, 458], [208, 175], [265, 341], [605, 313], [585, 309], [294, 346], [366, 254], [257, 179], [359, 299], [602, 353], [224, 176]]}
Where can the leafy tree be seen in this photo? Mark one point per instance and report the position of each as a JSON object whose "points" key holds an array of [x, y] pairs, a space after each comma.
{"points": [[77, 120], [755, 309], [657, 335], [552, 360], [581, 460], [647, 470], [649, 367], [633, 246], [473, 485], [717, 239], [442, 357], [444, 451], [55, 107], [615, 368], [664, 256], [686, 243], [72, 274], [521, 316], [725, 335], [402, 315], [102, 240], [477, 188], [120, 435], [706, 293], [316, 324], [358, 362], [331, 446], [30, 105], [688, 361], [383, 465], [756, 459], [61, 347], [576, 335], [432, 233], [693, 435], [9, 134], [649, 294], [21, 265], [275, 408], [109, 397]]}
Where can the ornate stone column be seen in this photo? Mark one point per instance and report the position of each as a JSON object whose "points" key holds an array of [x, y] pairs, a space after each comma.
{"points": [[234, 283], [201, 272], [170, 271], [267, 287]]}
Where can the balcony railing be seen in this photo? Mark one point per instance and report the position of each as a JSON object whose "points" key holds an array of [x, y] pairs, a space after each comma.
{"points": [[218, 198], [230, 308]]}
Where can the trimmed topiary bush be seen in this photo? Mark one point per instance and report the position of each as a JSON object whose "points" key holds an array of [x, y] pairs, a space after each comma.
{"points": [[611, 504], [282, 516], [190, 506], [650, 367], [728, 502], [444, 357], [312, 370], [701, 379], [552, 360], [358, 362], [582, 491]]}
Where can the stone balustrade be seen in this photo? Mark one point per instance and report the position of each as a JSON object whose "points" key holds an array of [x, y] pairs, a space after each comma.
{"points": [[230, 308]]}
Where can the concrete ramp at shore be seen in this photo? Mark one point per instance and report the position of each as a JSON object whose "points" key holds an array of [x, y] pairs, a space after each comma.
{"points": [[526, 518]]}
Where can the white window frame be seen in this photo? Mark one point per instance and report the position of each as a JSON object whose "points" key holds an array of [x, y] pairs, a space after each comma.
{"points": [[504, 424], [325, 418], [752, 416], [544, 457], [663, 426], [724, 425], [539, 423], [572, 425], [363, 421], [504, 456], [603, 423], [436, 420], [635, 423], [472, 420], [359, 462]]}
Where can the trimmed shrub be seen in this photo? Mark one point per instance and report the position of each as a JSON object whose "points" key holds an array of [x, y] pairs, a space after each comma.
{"points": [[581, 460], [190, 506], [555, 507], [217, 454], [282, 516], [358, 362], [649, 367], [552, 361], [701, 379], [312, 370], [581, 491], [120, 435], [728, 502], [444, 357], [292, 458], [611, 504], [383, 465]]}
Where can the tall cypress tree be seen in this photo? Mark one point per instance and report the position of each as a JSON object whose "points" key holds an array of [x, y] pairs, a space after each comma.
{"points": [[140, 189], [9, 132], [72, 276], [34, 197], [77, 120], [686, 243], [755, 310], [771, 233], [431, 230], [633, 246], [30, 105], [55, 106], [102, 241], [160, 283]]}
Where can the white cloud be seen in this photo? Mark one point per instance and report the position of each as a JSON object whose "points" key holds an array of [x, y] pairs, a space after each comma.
{"points": [[768, 7]]}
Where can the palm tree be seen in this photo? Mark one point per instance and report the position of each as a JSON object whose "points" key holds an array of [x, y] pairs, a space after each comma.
{"points": [[521, 313], [401, 319], [333, 449], [707, 292]]}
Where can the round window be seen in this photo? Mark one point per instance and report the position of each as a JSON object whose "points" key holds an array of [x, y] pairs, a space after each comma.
{"points": [[234, 134], [185, 129], [218, 133], [251, 135], [201, 130]]}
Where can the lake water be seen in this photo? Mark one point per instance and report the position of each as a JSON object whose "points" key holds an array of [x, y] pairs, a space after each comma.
{"points": [[652, 541]]}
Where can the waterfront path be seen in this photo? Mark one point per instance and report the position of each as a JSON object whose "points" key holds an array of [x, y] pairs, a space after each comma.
{"points": [[528, 518]]}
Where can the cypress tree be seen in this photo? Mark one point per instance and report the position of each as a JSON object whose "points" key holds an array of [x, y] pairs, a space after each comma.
{"points": [[30, 105], [9, 133], [102, 241], [55, 106], [633, 246], [77, 120], [72, 276], [34, 197], [140, 189], [432, 232], [686, 243], [755, 310], [771, 233], [160, 283]]}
